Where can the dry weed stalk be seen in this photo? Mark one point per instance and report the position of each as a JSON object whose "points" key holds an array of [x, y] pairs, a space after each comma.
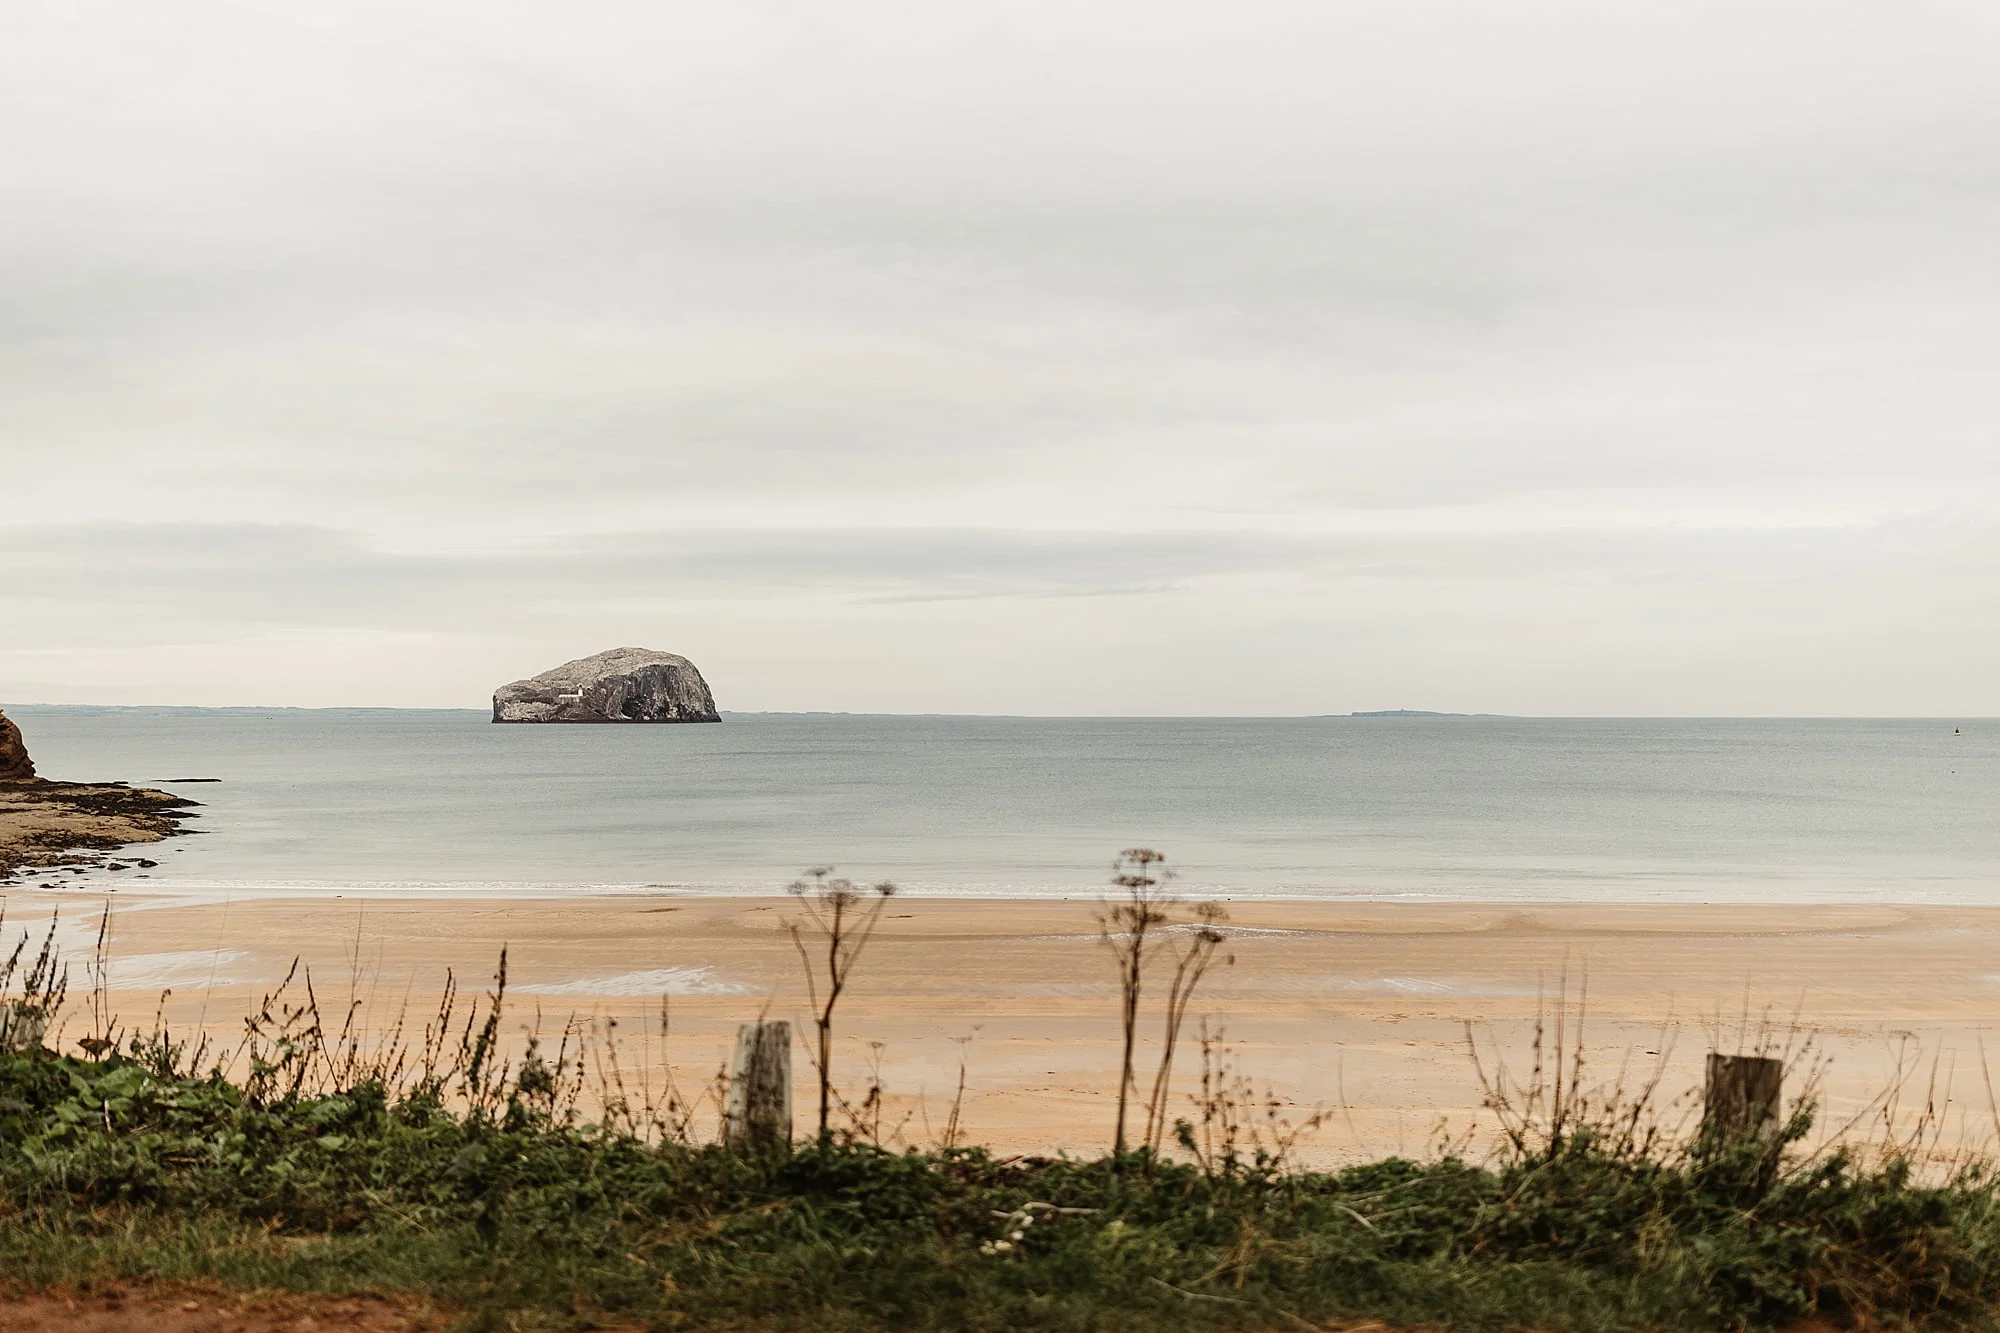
{"points": [[1906, 1131], [1234, 1118], [102, 1022], [676, 1114], [1553, 1107], [1130, 930], [1191, 964], [25, 1020], [843, 919], [1137, 929], [954, 1123], [865, 1119]]}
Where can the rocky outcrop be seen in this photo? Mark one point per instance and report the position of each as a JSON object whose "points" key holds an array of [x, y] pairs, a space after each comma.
{"points": [[74, 826], [621, 685], [15, 765]]}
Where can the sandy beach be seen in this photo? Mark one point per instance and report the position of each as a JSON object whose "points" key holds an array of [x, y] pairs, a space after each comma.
{"points": [[1361, 1009]]}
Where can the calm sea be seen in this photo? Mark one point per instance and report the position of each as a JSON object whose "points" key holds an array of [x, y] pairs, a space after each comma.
{"points": [[405, 801]]}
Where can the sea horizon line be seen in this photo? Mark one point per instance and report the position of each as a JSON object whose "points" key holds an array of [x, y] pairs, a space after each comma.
{"points": [[1359, 715]]}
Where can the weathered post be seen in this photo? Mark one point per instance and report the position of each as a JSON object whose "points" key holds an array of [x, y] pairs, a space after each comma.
{"points": [[1743, 1097], [21, 1028], [760, 1086]]}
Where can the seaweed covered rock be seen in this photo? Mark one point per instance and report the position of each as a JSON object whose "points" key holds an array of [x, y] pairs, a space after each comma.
{"points": [[620, 685]]}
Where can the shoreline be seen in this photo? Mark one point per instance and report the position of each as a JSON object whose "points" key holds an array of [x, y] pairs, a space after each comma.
{"points": [[1359, 1008]]}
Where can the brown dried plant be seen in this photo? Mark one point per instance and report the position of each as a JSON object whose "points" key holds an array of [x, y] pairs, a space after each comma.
{"points": [[954, 1122], [1192, 960], [1131, 929], [1137, 928], [842, 918], [1239, 1128], [44, 985], [1552, 1108]]}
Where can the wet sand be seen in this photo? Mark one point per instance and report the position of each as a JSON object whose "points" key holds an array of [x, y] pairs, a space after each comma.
{"points": [[1361, 1009]]}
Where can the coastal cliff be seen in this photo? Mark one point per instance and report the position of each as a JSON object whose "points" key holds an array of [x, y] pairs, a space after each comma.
{"points": [[619, 685], [15, 766]]}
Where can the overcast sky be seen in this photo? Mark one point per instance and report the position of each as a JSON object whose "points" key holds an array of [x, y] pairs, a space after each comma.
{"points": [[1064, 357]]}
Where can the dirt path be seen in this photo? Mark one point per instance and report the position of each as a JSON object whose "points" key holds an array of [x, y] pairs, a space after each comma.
{"points": [[115, 1309]]}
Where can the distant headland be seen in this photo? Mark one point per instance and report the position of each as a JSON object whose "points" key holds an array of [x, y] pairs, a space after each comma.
{"points": [[1413, 712]]}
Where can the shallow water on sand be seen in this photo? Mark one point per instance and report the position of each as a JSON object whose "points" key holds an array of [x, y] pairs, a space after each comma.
{"points": [[1479, 809]]}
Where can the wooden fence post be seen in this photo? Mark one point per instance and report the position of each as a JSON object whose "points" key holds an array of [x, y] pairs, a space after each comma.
{"points": [[21, 1028], [760, 1086], [1743, 1097]]}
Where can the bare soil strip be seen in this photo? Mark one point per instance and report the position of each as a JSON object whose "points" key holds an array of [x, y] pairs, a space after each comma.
{"points": [[115, 1308]]}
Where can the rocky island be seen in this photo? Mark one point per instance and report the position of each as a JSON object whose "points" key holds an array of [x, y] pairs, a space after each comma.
{"points": [[618, 685], [73, 825]]}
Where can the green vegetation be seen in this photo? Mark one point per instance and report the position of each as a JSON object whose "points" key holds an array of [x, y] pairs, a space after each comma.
{"points": [[441, 1169], [112, 1169]]}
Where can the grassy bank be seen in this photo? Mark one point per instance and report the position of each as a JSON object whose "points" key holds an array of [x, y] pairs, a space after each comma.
{"points": [[310, 1159], [114, 1166]]}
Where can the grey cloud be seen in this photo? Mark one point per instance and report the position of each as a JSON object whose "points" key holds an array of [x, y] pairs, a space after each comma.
{"points": [[916, 306], [283, 575]]}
